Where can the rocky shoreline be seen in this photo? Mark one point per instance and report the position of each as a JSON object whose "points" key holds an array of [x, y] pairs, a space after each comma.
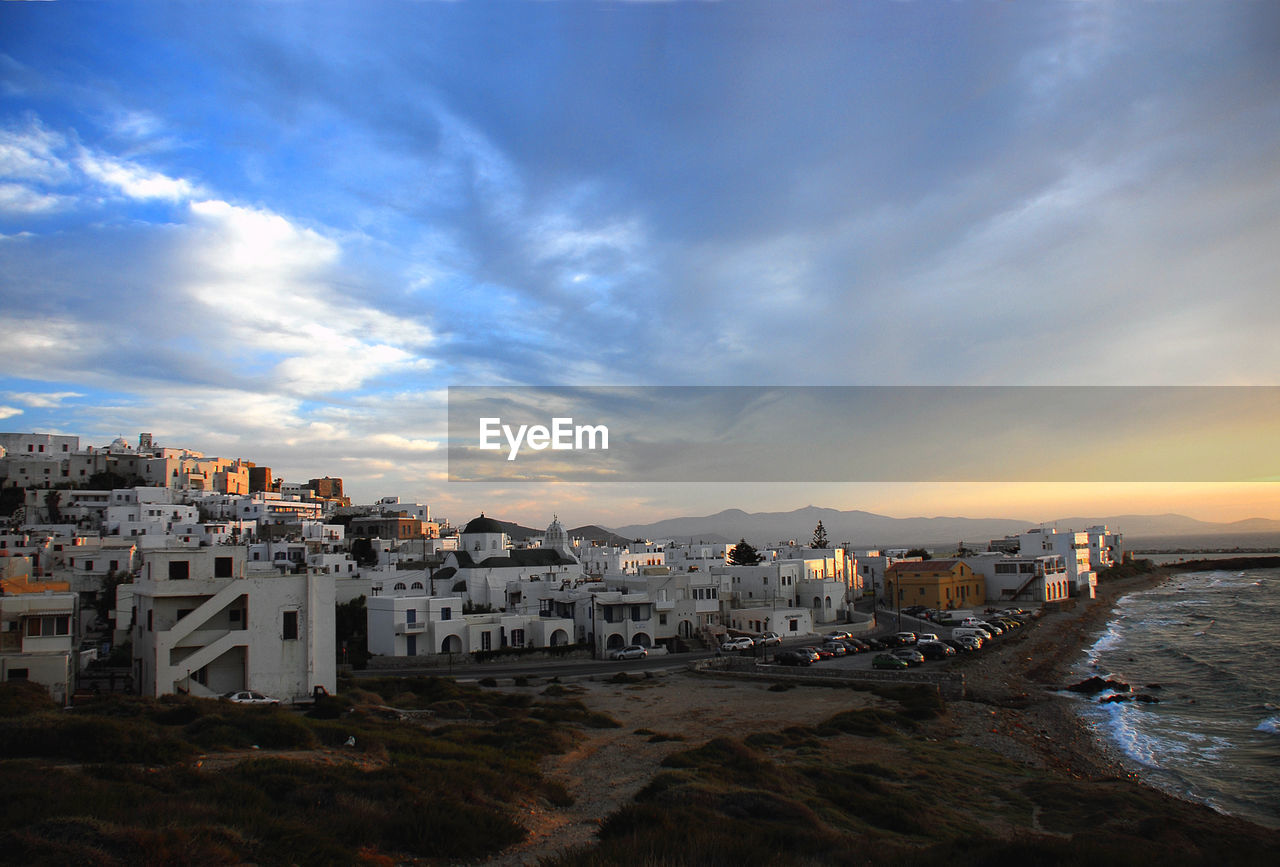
{"points": [[1019, 685]]}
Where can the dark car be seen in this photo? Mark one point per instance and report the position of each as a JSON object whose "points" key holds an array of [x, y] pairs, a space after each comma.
{"points": [[856, 645], [935, 650], [792, 657], [903, 639], [876, 644], [957, 646]]}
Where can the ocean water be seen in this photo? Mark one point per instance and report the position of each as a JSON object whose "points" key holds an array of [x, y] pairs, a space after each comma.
{"points": [[1207, 645]]}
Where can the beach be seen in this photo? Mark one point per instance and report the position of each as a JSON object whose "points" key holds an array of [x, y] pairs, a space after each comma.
{"points": [[1013, 705], [1012, 708]]}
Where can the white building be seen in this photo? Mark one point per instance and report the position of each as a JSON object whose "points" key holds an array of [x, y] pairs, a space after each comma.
{"points": [[38, 640], [1073, 547], [203, 623], [1022, 580]]}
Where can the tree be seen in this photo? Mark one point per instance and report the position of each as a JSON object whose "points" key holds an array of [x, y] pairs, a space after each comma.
{"points": [[351, 624], [820, 537], [742, 554], [921, 553], [52, 500], [363, 553]]}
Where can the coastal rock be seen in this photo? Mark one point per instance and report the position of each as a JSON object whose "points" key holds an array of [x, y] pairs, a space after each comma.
{"points": [[1115, 697], [1147, 699], [1095, 684], [1090, 686]]}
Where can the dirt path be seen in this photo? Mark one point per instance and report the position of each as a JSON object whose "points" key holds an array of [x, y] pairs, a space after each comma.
{"points": [[610, 766]]}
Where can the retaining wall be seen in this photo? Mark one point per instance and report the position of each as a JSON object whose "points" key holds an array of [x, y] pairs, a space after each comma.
{"points": [[950, 684]]}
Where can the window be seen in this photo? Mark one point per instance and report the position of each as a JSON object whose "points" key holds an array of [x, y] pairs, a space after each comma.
{"points": [[486, 640], [18, 673], [222, 567], [662, 620], [150, 619], [517, 638], [234, 615], [179, 570], [446, 613], [290, 631], [411, 615]]}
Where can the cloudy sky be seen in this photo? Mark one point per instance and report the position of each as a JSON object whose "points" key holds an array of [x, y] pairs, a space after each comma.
{"points": [[280, 231]]}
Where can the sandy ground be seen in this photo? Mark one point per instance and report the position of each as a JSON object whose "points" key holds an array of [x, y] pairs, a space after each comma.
{"points": [[609, 766], [1012, 707]]}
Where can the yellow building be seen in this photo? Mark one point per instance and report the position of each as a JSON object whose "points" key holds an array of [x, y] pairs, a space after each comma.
{"points": [[940, 584]]}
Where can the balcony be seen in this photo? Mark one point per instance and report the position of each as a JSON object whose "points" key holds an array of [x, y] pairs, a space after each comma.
{"points": [[415, 628]]}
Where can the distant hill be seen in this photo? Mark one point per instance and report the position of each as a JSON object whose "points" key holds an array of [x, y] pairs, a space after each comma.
{"points": [[869, 530], [593, 533]]}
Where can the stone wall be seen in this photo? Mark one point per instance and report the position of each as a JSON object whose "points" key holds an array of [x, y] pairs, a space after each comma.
{"points": [[950, 684]]}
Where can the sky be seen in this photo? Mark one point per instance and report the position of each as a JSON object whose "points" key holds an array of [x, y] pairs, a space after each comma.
{"points": [[280, 231]]}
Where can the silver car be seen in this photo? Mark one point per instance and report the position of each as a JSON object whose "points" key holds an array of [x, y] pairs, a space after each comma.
{"points": [[248, 696]]}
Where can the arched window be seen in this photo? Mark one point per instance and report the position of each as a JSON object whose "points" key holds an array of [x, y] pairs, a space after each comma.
{"points": [[399, 586]]}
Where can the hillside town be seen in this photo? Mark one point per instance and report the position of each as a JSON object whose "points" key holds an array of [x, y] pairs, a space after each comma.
{"points": [[208, 576]]}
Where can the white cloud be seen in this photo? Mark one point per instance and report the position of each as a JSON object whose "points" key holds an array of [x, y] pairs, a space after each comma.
{"points": [[42, 400], [395, 441], [272, 283], [132, 179], [20, 199], [9, 411], [30, 154]]}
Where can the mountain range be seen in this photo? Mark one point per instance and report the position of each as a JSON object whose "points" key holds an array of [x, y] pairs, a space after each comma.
{"points": [[868, 530]]}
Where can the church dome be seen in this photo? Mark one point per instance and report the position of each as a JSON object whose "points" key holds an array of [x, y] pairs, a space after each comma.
{"points": [[483, 525]]}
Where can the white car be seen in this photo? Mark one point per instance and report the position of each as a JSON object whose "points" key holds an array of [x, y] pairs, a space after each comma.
{"points": [[248, 696], [737, 644], [769, 639], [631, 651]]}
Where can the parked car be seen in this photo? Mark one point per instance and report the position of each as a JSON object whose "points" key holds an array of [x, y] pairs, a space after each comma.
{"points": [[910, 654], [914, 610], [856, 645], [248, 696], [837, 635], [837, 648], [902, 639], [737, 644], [877, 644], [769, 639], [884, 660], [935, 650], [631, 651], [792, 657], [925, 636], [957, 646], [971, 642], [991, 627], [811, 652]]}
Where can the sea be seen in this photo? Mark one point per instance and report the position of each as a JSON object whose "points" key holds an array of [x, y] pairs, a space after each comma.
{"points": [[1207, 646]]}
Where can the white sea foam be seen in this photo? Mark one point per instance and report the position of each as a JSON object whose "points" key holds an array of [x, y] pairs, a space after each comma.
{"points": [[1270, 725]]}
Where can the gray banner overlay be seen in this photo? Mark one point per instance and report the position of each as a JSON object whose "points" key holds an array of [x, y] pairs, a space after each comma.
{"points": [[864, 434]]}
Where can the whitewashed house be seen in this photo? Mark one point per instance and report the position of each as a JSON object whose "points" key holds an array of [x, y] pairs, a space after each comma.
{"points": [[203, 622]]}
